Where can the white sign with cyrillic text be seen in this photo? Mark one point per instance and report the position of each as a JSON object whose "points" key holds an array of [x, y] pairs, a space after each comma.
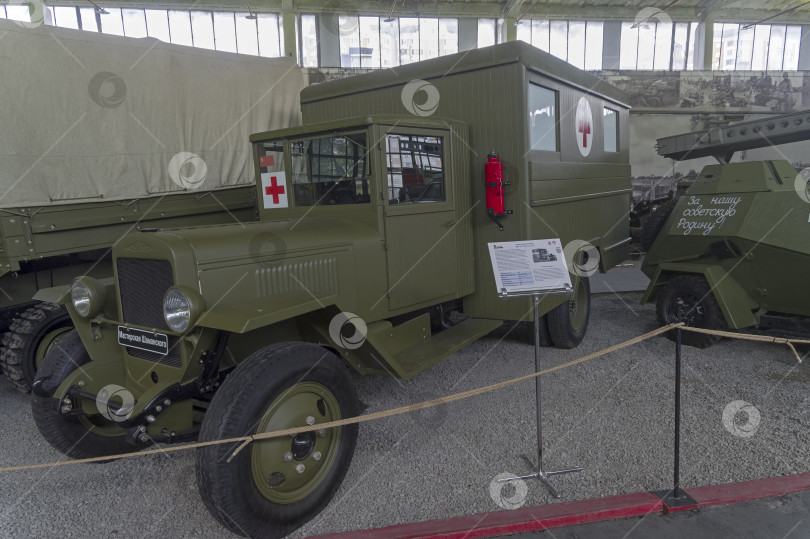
{"points": [[529, 266]]}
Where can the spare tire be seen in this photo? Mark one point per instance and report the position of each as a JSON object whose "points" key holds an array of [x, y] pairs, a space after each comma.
{"points": [[655, 222]]}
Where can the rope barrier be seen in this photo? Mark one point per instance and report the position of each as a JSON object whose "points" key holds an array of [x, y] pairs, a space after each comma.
{"points": [[757, 338], [244, 441]]}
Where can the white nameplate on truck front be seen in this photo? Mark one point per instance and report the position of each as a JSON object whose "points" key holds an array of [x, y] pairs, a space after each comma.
{"points": [[157, 343]]}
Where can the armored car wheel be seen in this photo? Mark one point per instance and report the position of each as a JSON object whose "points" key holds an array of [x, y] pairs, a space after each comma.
{"points": [[77, 436], [274, 486], [29, 337], [568, 322], [688, 299]]}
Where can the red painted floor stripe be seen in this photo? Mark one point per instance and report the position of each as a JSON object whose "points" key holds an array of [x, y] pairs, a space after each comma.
{"points": [[750, 490], [518, 520], [578, 512]]}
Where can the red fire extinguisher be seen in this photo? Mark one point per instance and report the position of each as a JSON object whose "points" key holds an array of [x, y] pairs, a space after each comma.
{"points": [[494, 188]]}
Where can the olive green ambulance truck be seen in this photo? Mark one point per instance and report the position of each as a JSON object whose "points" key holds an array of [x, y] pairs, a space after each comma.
{"points": [[370, 254]]}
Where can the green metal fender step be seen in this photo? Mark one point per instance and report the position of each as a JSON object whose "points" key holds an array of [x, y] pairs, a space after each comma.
{"points": [[409, 348]]}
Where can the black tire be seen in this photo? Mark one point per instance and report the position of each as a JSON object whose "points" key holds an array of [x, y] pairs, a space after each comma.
{"points": [[75, 436], [655, 222], [568, 322], [527, 329], [28, 339], [688, 298], [254, 398]]}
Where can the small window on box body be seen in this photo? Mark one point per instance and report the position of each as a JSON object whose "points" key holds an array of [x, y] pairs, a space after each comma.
{"points": [[610, 121], [542, 118]]}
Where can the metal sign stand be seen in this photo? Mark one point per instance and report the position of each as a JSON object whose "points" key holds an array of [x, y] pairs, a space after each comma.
{"points": [[539, 474]]}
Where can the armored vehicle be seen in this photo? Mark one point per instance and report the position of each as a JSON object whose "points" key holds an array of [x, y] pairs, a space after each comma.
{"points": [[370, 253], [732, 251], [152, 146]]}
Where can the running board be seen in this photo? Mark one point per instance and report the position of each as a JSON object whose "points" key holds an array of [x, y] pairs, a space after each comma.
{"points": [[409, 348]]}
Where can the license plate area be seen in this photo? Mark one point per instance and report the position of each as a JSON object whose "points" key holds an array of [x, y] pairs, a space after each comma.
{"points": [[156, 343]]}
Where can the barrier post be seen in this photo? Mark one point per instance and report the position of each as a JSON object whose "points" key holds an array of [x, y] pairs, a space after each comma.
{"points": [[677, 499], [539, 473]]}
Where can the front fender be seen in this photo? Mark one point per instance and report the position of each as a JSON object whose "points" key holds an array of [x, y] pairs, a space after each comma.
{"points": [[58, 295], [739, 309]]}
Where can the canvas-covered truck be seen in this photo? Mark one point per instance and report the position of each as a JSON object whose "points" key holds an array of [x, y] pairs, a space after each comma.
{"points": [[370, 254], [732, 252], [102, 135]]}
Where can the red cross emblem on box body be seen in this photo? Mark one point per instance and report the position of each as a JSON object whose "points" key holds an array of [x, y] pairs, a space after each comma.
{"points": [[274, 189]]}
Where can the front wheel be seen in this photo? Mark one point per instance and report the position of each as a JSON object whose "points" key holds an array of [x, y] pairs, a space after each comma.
{"points": [[82, 435], [275, 486], [568, 322], [689, 299]]}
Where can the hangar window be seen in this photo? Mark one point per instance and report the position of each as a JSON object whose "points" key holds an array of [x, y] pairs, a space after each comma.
{"points": [[486, 32], [415, 169], [577, 42], [63, 16], [245, 33], [756, 47], [610, 121], [542, 118], [157, 24], [330, 170], [652, 44], [372, 42], [112, 22]]}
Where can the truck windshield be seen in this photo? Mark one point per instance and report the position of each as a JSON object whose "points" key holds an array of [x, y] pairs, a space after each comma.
{"points": [[330, 170]]}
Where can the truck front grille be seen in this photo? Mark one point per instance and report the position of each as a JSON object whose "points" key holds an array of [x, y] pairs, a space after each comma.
{"points": [[172, 359], [143, 284]]}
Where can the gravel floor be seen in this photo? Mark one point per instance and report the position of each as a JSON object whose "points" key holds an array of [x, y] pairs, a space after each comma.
{"points": [[613, 416]]}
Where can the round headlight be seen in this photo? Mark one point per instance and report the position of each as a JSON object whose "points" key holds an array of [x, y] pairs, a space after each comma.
{"points": [[87, 296], [181, 307]]}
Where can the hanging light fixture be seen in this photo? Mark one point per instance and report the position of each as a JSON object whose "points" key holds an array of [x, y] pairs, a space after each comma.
{"points": [[100, 10], [252, 16], [390, 17]]}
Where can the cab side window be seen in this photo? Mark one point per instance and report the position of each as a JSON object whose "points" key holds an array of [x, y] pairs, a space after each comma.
{"points": [[415, 169], [330, 170]]}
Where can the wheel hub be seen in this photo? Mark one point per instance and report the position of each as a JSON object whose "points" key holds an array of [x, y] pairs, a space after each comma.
{"points": [[688, 311], [303, 445]]}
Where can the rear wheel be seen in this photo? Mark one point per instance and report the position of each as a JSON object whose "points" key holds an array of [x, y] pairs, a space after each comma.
{"points": [[568, 322], [77, 436], [275, 486], [29, 338], [689, 299]]}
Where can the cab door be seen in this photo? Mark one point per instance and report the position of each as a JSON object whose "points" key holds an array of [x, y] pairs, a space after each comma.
{"points": [[420, 215]]}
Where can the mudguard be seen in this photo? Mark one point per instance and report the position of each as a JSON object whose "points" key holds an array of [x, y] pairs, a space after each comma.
{"points": [[739, 309]]}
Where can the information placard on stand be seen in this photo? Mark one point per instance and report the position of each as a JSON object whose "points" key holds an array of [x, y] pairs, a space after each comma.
{"points": [[532, 268]]}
